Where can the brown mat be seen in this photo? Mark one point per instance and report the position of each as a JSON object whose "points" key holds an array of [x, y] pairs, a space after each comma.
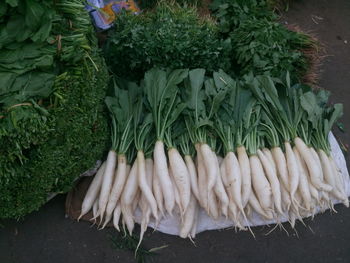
{"points": [[75, 198]]}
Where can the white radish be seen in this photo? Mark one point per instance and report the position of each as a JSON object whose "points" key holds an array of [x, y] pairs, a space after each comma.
{"points": [[128, 197], [286, 202], [202, 179], [273, 180], [131, 186], [254, 203], [118, 184], [281, 164], [181, 177], [128, 168], [176, 193], [248, 210], [304, 188], [161, 167], [220, 192], [269, 156], [193, 175], [314, 170], [233, 176], [285, 198], [293, 172], [223, 175], [327, 169], [233, 212], [146, 213], [330, 178], [108, 218], [145, 207], [144, 225], [213, 205], [189, 218], [292, 218], [325, 200], [145, 188], [92, 192], [318, 161], [260, 184], [209, 163], [233, 209], [245, 174], [116, 216], [107, 182], [136, 201], [157, 191], [195, 223], [95, 210], [149, 171], [313, 191]]}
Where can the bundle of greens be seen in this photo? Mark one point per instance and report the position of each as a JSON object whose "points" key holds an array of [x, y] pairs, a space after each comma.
{"points": [[260, 143], [231, 13], [52, 117], [259, 43], [149, 4], [170, 36], [264, 46]]}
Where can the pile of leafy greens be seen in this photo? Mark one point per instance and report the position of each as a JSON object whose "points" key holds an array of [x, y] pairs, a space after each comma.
{"points": [[149, 4], [169, 36], [259, 43], [53, 124]]}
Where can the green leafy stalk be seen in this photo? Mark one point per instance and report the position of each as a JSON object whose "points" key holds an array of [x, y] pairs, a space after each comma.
{"points": [[320, 118], [161, 89], [203, 99], [230, 117], [121, 107], [143, 122]]}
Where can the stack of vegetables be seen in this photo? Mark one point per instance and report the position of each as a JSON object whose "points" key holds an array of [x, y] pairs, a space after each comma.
{"points": [[260, 43], [53, 123], [170, 36], [246, 37], [182, 140]]}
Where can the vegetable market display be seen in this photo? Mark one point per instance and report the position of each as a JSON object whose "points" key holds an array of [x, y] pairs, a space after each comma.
{"points": [[205, 114], [53, 125], [228, 146]]}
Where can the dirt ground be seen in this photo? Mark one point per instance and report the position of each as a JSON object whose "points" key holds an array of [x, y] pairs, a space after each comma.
{"points": [[47, 236]]}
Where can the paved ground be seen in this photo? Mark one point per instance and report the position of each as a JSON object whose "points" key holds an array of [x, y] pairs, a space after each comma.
{"points": [[47, 236]]}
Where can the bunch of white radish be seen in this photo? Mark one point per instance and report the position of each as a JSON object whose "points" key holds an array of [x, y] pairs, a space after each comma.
{"points": [[229, 147]]}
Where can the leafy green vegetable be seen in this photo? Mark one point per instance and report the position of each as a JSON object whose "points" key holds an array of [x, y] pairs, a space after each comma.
{"points": [[233, 112], [121, 107], [259, 43], [169, 37], [202, 98], [231, 13], [53, 124], [149, 4], [263, 46], [161, 90], [320, 116]]}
